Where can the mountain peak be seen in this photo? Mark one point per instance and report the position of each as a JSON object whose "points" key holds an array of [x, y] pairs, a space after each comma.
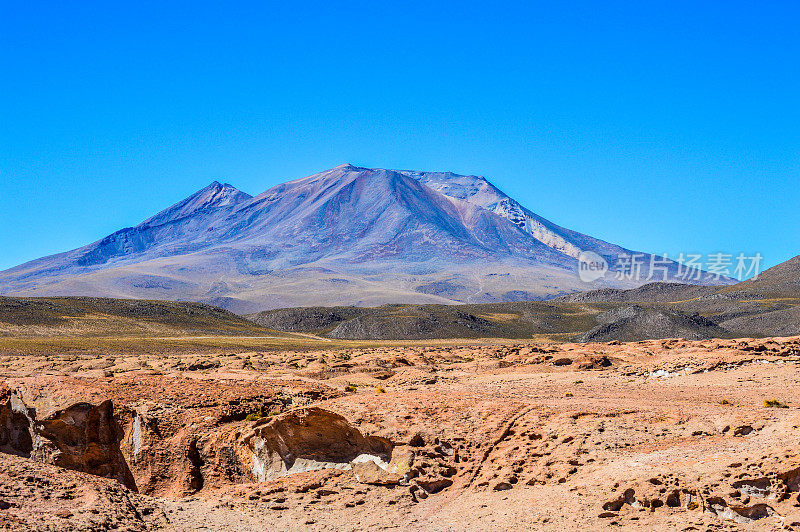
{"points": [[348, 167], [213, 196], [217, 186]]}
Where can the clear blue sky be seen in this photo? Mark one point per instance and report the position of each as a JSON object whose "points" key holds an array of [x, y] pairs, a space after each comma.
{"points": [[661, 126]]}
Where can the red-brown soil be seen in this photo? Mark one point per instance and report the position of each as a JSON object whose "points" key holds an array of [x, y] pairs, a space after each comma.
{"points": [[652, 435]]}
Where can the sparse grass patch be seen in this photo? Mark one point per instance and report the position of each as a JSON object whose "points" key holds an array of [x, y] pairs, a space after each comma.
{"points": [[774, 403], [569, 394], [351, 388], [380, 389], [253, 416], [725, 402]]}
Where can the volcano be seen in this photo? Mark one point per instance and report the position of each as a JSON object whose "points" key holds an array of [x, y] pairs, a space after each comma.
{"points": [[345, 236]]}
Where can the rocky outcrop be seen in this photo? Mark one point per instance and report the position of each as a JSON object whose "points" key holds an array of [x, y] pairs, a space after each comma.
{"points": [[190, 438], [161, 428], [82, 437], [16, 431], [307, 440], [177, 437]]}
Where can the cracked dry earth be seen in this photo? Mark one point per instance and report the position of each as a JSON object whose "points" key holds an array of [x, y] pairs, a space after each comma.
{"points": [[653, 435]]}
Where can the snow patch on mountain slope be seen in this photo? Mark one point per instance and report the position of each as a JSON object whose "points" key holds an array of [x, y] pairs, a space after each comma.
{"points": [[478, 191]]}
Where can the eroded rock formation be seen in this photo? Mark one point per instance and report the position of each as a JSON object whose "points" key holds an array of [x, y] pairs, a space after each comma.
{"points": [[308, 440]]}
